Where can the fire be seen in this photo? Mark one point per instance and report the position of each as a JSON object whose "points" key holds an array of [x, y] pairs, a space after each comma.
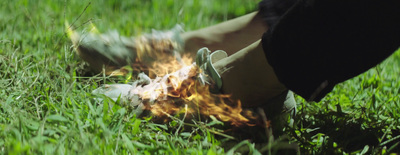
{"points": [[169, 84], [180, 91]]}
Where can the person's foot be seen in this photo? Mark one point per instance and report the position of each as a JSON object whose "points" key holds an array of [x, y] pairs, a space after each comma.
{"points": [[112, 51]]}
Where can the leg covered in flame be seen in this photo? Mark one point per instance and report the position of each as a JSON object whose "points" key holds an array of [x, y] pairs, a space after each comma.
{"points": [[182, 91], [244, 75], [187, 91]]}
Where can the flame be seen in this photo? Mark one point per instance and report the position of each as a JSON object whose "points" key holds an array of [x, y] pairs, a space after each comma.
{"points": [[158, 58], [170, 85], [181, 92]]}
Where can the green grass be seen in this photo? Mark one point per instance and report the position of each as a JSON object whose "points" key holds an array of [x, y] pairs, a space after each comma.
{"points": [[46, 105]]}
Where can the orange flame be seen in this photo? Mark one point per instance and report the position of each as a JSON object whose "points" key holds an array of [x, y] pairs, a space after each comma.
{"points": [[170, 94], [172, 86]]}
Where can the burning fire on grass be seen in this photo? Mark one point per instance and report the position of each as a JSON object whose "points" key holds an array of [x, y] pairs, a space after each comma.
{"points": [[171, 85], [180, 92]]}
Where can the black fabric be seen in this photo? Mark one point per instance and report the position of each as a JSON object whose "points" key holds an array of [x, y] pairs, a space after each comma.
{"points": [[272, 10], [320, 43]]}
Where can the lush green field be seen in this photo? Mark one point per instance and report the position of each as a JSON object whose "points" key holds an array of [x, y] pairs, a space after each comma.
{"points": [[46, 105]]}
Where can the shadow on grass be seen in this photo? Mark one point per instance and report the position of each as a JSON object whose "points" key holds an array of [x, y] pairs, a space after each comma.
{"points": [[338, 132]]}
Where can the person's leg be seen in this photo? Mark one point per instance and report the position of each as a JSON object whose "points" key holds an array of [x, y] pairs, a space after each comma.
{"points": [[247, 76], [113, 51]]}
